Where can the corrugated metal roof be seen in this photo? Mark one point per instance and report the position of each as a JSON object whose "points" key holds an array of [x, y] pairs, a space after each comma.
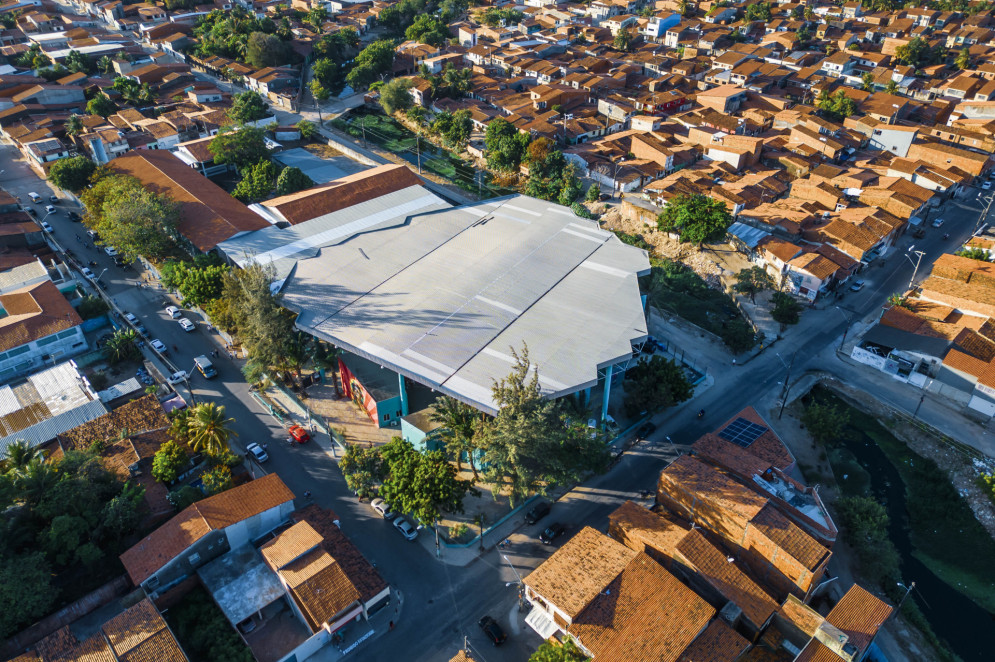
{"points": [[443, 296], [46, 430], [748, 234]]}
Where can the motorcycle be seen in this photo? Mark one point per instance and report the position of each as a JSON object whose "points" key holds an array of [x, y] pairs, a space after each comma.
{"points": [[701, 413], [946, 236], [92, 263]]}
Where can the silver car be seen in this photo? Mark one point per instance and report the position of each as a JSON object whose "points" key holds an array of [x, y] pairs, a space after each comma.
{"points": [[383, 508], [257, 452], [406, 528]]}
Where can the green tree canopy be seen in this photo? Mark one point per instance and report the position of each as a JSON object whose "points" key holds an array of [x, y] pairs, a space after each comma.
{"points": [[372, 61], [825, 422], [428, 29], [73, 173], [132, 218], [122, 346], [622, 40], [258, 181], [101, 105], [506, 145], [549, 173], [267, 50], [79, 62], [210, 429], [758, 11], [199, 280], [74, 125], [695, 218], [653, 385], [292, 180], [836, 106], [423, 484], [26, 591], [248, 106], [169, 461], [458, 429], [493, 17], [963, 60], [240, 147], [455, 128], [308, 130], [327, 71], [918, 53], [567, 652], [395, 95], [752, 281], [362, 468], [786, 310]]}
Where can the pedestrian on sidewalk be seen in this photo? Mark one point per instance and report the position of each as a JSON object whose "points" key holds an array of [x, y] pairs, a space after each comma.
{"points": [[391, 625]]}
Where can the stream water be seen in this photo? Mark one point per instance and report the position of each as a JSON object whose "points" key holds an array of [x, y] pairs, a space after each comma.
{"points": [[967, 629]]}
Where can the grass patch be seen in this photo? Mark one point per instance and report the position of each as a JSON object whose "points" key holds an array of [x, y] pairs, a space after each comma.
{"points": [[676, 288], [204, 632]]}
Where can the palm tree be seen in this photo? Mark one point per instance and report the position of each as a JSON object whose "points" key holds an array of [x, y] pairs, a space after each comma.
{"points": [[35, 481], [179, 429], [327, 356], [74, 125], [457, 432], [209, 429], [19, 455], [105, 64], [121, 346]]}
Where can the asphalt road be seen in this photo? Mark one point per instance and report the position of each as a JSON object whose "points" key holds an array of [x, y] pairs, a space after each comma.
{"points": [[442, 602]]}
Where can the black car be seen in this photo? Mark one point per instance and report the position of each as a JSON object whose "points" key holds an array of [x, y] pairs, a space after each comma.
{"points": [[73, 216], [604, 196], [537, 512], [552, 532], [31, 211], [492, 630], [645, 430]]}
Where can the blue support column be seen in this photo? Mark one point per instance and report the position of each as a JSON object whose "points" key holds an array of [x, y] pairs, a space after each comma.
{"points": [[608, 392], [586, 400], [404, 395]]}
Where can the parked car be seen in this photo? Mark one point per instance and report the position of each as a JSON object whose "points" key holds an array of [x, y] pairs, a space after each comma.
{"points": [[299, 434], [32, 212], [919, 233], [551, 533], [986, 185], [537, 512], [50, 209], [645, 430], [493, 631], [186, 325], [35, 198], [110, 250], [937, 222], [46, 227], [604, 196], [257, 452], [54, 199], [92, 234], [173, 312], [857, 286], [74, 216], [159, 346], [87, 274], [131, 317], [383, 508], [406, 528], [178, 377]]}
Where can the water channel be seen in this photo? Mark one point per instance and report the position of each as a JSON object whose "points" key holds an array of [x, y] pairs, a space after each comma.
{"points": [[968, 630]]}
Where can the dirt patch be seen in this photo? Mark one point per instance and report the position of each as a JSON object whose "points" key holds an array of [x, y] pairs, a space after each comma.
{"points": [[323, 151]]}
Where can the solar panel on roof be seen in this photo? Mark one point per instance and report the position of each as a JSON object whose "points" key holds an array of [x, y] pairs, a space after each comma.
{"points": [[742, 432]]}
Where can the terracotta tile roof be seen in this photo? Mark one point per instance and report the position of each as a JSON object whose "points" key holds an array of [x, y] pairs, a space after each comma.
{"points": [[136, 417], [361, 572], [975, 344], [799, 614], [789, 537], [290, 544], [579, 570], [645, 531], [208, 215], [62, 646], [819, 266], [768, 446], [140, 633], [461, 657], [718, 643], [782, 250], [724, 454], [945, 289], [34, 312], [816, 652], [320, 586], [705, 483], [344, 192], [860, 615], [965, 269], [197, 520], [644, 614], [727, 578]]}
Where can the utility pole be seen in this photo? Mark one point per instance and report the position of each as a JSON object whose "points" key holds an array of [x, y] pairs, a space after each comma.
{"points": [[418, 150], [849, 320], [787, 376], [363, 124], [915, 264]]}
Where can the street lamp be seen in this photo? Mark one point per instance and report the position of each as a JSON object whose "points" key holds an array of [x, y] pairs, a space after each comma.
{"points": [[787, 376], [519, 583], [915, 264]]}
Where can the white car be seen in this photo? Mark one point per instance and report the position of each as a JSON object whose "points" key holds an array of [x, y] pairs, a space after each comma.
{"points": [[110, 250], [50, 209], [406, 528], [381, 507], [986, 185], [46, 227], [34, 197], [131, 318], [186, 325], [159, 346], [257, 452], [178, 377], [173, 312], [87, 274], [857, 286], [937, 223]]}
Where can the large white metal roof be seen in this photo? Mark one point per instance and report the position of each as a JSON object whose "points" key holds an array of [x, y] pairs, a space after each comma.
{"points": [[442, 297]]}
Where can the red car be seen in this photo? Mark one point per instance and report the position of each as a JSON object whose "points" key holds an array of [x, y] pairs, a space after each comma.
{"points": [[299, 434]]}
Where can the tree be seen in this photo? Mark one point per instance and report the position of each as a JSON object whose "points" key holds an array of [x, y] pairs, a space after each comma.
{"points": [[549, 173], [527, 446], [326, 71], [101, 105], [891, 87], [122, 346], [179, 427], [20, 454], [570, 185], [867, 82], [168, 461], [752, 281], [184, 496], [248, 106], [758, 11], [317, 17], [695, 218], [917, 53], [455, 128], [423, 484], [506, 145], [622, 40], [78, 62], [395, 95], [308, 130], [372, 61], [593, 193], [210, 430], [654, 385], [258, 181], [974, 253], [362, 468], [267, 50], [74, 125], [132, 218], [457, 421], [121, 515], [240, 147], [428, 29], [105, 64], [566, 652], [26, 591], [291, 180], [786, 310], [72, 173], [318, 91], [825, 422], [217, 479], [963, 60], [199, 281]]}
